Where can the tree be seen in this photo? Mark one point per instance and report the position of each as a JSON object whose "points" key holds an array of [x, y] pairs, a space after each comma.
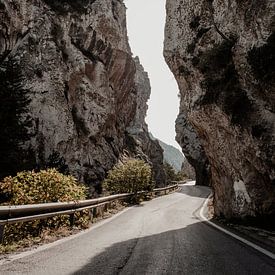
{"points": [[170, 172], [172, 175], [13, 121]]}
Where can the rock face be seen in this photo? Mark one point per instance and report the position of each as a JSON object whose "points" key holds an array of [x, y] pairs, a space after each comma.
{"points": [[188, 170], [222, 55], [188, 139], [138, 140], [78, 67]]}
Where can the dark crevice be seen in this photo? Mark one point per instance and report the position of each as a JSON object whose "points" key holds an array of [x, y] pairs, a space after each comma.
{"points": [[200, 32], [114, 11], [194, 24], [79, 123], [94, 58], [66, 91], [69, 6], [231, 40], [221, 83], [262, 60], [258, 131]]}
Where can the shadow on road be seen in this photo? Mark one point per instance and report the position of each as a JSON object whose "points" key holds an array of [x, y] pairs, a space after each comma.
{"points": [[195, 191], [195, 249]]}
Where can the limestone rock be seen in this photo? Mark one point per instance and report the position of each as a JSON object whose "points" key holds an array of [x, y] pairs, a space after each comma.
{"points": [[188, 139], [78, 66], [188, 170], [222, 55]]}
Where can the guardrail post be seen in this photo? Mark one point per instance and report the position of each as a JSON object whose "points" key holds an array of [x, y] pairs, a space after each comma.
{"points": [[72, 219], [91, 214], [94, 212], [2, 230]]}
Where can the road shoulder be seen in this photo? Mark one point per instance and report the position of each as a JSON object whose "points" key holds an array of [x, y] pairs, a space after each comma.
{"points": [[253, 237]]}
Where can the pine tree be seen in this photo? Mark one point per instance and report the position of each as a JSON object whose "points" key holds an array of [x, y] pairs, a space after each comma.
{"points": [[13, 125]]}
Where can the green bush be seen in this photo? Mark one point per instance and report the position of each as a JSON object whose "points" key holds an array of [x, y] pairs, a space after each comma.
{"points": [[172, 175], [170, 172], [40, 187], [181, 176], [130, 177]]}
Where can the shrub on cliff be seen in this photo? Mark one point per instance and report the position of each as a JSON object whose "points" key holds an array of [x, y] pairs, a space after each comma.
{"points": [[40, 187], [130, 177]]}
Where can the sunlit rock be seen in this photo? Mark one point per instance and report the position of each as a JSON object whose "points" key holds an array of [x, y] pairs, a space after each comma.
{"points": [[79, 69]]}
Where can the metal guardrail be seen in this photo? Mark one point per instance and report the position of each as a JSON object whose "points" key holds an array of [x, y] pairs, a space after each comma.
{"points": [[24, 213]]}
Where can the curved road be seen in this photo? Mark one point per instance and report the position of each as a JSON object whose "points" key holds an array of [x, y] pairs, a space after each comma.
{"points": [[162, 236]]}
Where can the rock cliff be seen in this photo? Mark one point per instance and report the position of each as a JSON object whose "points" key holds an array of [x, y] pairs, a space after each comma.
{"points": [[139, 143], [188, 170], [78, 68], [222, 55], [192, 148]]}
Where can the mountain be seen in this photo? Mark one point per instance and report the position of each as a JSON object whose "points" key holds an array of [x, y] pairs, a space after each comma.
{"points": [[171, 154]]}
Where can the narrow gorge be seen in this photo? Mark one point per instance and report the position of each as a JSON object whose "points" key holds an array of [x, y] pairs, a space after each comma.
{"points": [[88, 94]]}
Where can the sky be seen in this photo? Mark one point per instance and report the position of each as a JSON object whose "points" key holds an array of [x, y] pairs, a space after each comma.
{"points": [[146, 20]]}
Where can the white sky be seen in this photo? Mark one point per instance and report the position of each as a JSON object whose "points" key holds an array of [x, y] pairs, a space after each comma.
{"points": [[146, 20]]}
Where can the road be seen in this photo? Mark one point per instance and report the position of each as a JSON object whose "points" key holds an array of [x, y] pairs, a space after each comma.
{"points": [[162, 236]]}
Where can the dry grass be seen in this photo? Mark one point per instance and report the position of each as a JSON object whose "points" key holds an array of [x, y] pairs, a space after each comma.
{"points": [[46, 236]]}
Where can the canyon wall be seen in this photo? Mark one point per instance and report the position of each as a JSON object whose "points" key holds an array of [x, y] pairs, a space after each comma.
{"points": [[139, 142], [188, 170], [78, 68], [222, 56]]}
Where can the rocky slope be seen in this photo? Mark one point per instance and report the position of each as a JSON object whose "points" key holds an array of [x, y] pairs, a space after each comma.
{"points": [[222, 55], [171, 154], [139, 142], [78, 68]]}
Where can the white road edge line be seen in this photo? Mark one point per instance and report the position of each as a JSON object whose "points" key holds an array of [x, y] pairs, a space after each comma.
{"points": [[253, 245]]}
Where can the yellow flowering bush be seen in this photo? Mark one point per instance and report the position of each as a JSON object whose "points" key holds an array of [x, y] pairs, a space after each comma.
{"points": [[130, 177], [41, 187]]}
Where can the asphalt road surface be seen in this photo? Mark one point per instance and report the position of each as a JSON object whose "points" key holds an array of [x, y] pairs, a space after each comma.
{"points": [[162, 236]]}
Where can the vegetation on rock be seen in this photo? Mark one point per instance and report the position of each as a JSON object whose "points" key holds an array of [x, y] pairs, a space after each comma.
{"points": [[172, 175], [40, 187]]}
